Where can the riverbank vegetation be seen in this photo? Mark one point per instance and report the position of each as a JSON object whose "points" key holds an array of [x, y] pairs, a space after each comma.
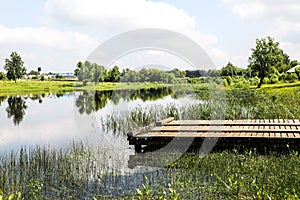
{"points": [[80, 172]]}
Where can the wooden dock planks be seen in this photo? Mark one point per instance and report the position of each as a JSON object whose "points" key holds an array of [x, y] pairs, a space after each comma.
{"points": [[233, 130]]}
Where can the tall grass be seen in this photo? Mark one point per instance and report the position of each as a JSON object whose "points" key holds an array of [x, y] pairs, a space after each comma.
{"points": [[78, 172]]}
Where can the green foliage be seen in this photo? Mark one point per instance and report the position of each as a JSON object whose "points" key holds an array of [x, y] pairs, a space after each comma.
{"points": [[2, 76], [297, 71], [274, 79], [196, 80], [89, 72], [178, 73], [14, 67], [32, 72], [265, 55], [292, 77], [231, 70], [58, 76], [114, 75]]}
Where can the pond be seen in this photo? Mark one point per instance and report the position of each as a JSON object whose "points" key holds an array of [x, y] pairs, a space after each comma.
{"points": [[59, 119]]}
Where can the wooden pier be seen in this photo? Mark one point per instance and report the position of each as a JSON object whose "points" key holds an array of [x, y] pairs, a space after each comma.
{"points": [[257, 133]]}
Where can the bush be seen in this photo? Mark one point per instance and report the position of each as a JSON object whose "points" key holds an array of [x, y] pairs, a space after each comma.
{"points": [[2, 76], [292, 77], [266, 81], [274, 79], [297, 71], [228, 80], [42, 78], [283, 77], [254, 80]]}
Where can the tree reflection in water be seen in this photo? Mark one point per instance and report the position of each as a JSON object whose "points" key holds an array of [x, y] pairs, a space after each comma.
{"points": [[16, 109], [88, 102]]}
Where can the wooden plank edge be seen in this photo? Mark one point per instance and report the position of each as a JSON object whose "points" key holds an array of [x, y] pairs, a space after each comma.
{"points": [[164, 121], [138, 131]]}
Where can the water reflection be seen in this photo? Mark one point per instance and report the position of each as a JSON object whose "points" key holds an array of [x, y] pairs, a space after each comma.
{"points": [[2, 99], [88, 102], [16, 109]]}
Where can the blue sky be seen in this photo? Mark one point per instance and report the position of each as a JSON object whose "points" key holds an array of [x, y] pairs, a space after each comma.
{"points": [[56, 34]]}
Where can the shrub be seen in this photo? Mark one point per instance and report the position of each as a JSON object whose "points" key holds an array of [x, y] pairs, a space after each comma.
{"points": [[297, 71], [266, 81], [292, 77], [229, 80], [283, 77], [2, 76], [274, 79]]}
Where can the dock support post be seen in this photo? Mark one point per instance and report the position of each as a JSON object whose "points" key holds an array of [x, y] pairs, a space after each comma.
{"points": [[138, 148]]}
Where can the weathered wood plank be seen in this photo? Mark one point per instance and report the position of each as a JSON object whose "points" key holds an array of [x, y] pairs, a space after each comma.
{"points": [[164, 121], [226, 130], [274, 122]]}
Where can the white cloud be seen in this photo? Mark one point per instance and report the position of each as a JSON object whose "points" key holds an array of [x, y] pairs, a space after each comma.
{"points": [[254, 9], [265, 9], [46, 37], [53, 49], [118, 16], [280, 19]]}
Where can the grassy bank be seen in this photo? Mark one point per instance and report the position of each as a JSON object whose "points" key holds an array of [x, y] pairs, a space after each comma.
{"points": [[38, 87]]}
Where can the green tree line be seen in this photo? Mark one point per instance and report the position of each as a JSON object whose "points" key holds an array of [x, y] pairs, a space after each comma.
{"points": [[92, 72]]}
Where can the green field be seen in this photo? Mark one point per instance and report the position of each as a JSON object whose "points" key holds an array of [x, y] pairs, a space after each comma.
{"points": [[35, 86]]}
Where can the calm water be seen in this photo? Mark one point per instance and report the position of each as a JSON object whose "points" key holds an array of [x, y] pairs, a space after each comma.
{"points": [[59, 119]]}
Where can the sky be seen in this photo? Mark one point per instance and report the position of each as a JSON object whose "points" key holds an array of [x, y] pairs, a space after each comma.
{"points": [[56, 34]]}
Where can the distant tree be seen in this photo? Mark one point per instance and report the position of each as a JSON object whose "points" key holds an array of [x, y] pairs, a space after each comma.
{"points": [[178, 73], [89, 72], [14, 67], [32, 72], [114, 74], [265, 55], [98, 73], [231, 70]]}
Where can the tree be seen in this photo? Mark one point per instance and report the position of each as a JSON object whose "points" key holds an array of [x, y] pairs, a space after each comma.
{"points": [[32, 72], [231, 70], [14, 67], [265, 55], [89, 72], [114, 74]]}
